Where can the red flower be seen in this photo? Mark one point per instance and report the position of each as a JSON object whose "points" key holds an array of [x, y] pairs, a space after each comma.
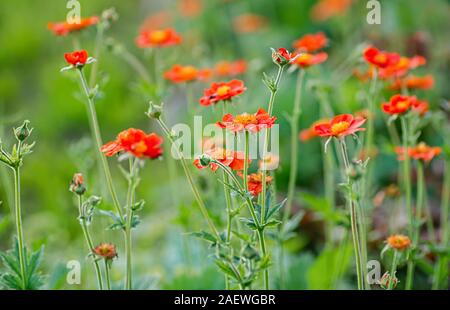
{"points": [[249, 23], [135, 142], [64, 28], [311, 42], [305, 60], [402, 67], [282, 56], [251, 122], [77, 58], [180, 74], [158, 38], [254, 182], [235, 160], [222, 91], [420, 152], [398, 104], [380, 59], [340, 126], [226, 68], [414, 82], [105, 250], [310, 133], [421, 107], [325, 9]]}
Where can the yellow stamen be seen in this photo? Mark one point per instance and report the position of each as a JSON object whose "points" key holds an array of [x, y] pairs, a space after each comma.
{"points": [[246, 119], [223, 90], [339, 128]]}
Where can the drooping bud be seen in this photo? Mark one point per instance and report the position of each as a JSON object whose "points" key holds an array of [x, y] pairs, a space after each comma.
{"points": [[205, 160], [23, 131], [386, 279], [154, 111], [77, 184]]}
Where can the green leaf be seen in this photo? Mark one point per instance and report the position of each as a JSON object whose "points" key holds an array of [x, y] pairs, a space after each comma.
{"points": [[205, 236], [271, 212], [138, 206], [272, 224], [226, 269], [249, 223]]}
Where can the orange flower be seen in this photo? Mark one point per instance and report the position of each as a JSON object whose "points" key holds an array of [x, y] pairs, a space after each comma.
{"points": [[310, 133], [181, 74], [402, 67], [363, 76], [269, 162], [305, 60], [421, 152], [190, 8], [340, 126], [380, 59], [249, 23], [414, 82], [399, 242], [158, 38], [235, 160], [311, 42], [223, 91], [325, 9], [398, 104], [421, 107], [135, 142], [64, 28], [227, 68], [77, 58], [282, 56], [245, 121], [105, 250], [254, 182], [158, 20]]}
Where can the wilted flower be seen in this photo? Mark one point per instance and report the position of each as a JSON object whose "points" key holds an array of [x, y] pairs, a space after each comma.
{"points": [[222, 91], [340, 126], [106, 251], [77, 184], [305, 60], [311, 42], [158, 38], [245, 121], [421, 152], [399, 242], [64, 28], [135, 142], [380, 59], [413, 82], [398, 104]]}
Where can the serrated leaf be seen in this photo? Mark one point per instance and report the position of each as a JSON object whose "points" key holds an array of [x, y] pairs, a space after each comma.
{"points": [[271, 212], [205, 236]]}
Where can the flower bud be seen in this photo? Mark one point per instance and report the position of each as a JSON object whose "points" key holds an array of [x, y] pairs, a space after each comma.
{"points": [[386, 279], [281, 56], [205, 160], [23, 131], [154, 111], [77, 184]]}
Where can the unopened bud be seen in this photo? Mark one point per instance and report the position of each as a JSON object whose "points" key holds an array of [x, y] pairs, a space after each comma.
{"points": [[23, 131], [77, 184], [205, 160], [154, 111], [385, 281]]}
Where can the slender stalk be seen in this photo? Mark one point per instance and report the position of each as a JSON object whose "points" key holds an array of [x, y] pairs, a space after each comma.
{"points": [[96, 54], [129, 220], [88, 240], [98, 141], [294, 143], [246, 158], [19, 229], [353, 219], [108, 280], [407, 190], [393, 270], [190, 179]]}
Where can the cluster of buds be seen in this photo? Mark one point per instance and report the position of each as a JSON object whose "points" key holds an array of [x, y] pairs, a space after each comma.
{"points": [[14, 158]]}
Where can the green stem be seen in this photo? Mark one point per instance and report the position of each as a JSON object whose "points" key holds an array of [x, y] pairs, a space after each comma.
{"points": [[96, 54], [19, 229], [353, 219], [129, 220], [88, 240], [393, 270], [108, 280], [294, 144], [190, 179], [98, 143]]}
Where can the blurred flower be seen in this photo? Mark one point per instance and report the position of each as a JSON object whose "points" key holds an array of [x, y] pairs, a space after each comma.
{"points": [[282, 56], [181, 74], [190, 8], [402, 67], [421, 107], [310, 133], [325, 9], [222, 91], [365, 154], [390, 191], [249, 23], [158, 38], [269, 162], [340, 126], [399, 242], [159, 20], [230, 68], [64, 28], [380, 59], [245, 121], [420, 152], [413, 82], [364, 76], [235, 160], [398, 104], [135, 142], [105, 250], [305, 60], [386, 280], [254, 182], [77, 58], [77, 184], [311, 42]]}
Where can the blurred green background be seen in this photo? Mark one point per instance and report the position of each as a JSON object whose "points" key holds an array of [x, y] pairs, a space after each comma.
{"points": [[31, 87]]}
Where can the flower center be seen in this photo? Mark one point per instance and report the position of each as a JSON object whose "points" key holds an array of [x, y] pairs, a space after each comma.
{"points": [[158, 36], [403, 105], [189, 72], [246, 119], [339, 128], [139, 148], [223, 90], [381, 58], [422, 148]]}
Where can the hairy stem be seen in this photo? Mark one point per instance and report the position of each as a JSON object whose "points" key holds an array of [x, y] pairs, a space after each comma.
{"points": [[19, 229]]}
